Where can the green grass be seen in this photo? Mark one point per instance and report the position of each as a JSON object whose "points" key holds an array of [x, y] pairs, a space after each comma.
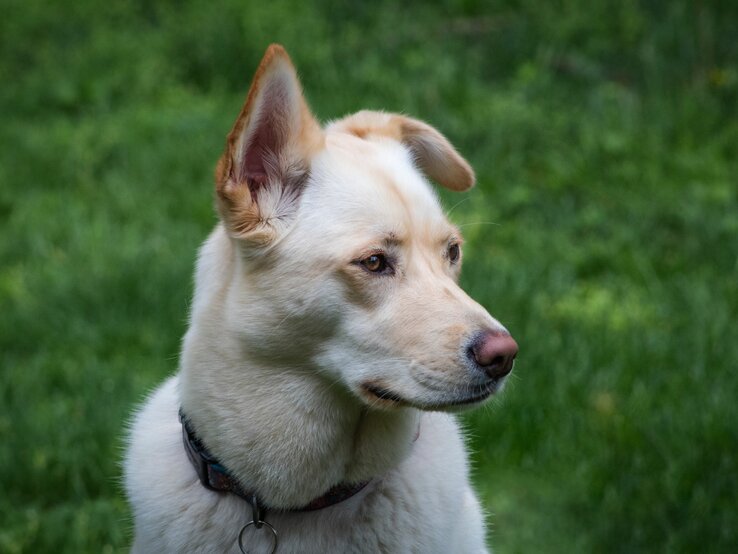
{"points": [[603, 232]]}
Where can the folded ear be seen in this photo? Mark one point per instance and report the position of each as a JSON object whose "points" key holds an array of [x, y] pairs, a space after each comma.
{"points": [[433, 153], [267, 158]]}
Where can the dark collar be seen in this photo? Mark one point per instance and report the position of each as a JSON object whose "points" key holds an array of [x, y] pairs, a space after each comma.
{"points": [[215, 477]]}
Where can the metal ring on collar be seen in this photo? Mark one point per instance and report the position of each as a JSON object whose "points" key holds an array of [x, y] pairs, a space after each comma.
{"points": [[259, 525]]}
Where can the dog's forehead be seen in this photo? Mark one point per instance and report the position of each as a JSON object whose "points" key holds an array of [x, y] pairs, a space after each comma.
{"points": [[375, 183]]}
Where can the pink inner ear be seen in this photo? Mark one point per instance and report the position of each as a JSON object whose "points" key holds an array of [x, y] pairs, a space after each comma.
{"points": [[253, 169], [264, 145]]}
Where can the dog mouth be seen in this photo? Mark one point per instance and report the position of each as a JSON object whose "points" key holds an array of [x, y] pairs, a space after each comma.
{"points": [[387, 397]]}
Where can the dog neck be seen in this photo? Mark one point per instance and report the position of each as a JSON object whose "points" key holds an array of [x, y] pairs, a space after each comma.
{"points": [[286, 433], [290, 444]]}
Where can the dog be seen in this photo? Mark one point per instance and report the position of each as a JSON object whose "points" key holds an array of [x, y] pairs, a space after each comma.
{"points": [[328, 345]]}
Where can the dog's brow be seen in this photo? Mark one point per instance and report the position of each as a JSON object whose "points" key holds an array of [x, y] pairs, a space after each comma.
{"points": [[454, 235], [391, 239], [385, 240]]}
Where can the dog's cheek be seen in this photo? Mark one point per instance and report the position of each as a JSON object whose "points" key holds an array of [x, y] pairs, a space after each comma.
{"points": [[363, 290], [281, 317]]}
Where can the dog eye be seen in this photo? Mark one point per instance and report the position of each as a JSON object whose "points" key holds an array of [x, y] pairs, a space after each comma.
{"points": [[376, 263], [453, 253]]}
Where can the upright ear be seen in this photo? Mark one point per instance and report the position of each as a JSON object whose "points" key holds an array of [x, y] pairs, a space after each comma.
{"points": [[267, 157], [433, 153]]}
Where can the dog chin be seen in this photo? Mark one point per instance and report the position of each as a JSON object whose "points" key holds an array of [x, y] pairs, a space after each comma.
{"points": [[384, 398]]}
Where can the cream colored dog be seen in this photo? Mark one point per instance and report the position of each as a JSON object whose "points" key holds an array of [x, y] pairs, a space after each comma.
{"points": [[327, 338]]}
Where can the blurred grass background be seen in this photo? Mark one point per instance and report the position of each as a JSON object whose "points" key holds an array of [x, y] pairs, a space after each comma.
{"points": [[603, 232]]}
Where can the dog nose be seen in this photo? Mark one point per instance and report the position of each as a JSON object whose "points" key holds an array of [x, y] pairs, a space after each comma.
{"points": [[494, 352]]}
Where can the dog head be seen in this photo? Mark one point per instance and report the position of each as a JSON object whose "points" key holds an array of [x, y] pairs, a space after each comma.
{"points": [[346, 264]]}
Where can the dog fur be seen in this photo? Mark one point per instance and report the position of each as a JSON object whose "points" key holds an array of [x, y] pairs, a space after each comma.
{"points": [[293, 337]]}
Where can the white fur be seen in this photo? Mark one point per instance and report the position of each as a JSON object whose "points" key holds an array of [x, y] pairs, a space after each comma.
{"points": [[423, 504], [274, 362]]}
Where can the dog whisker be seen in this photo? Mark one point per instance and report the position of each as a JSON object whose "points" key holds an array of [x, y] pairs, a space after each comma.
{"points": [[479, 223], [459, 203]]}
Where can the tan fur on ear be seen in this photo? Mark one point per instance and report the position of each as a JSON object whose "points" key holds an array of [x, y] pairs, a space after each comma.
{"points": [[268, 151], [433, 153]]}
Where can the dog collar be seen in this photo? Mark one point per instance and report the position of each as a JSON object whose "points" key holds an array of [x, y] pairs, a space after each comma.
{"points": [[215, 476]]}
